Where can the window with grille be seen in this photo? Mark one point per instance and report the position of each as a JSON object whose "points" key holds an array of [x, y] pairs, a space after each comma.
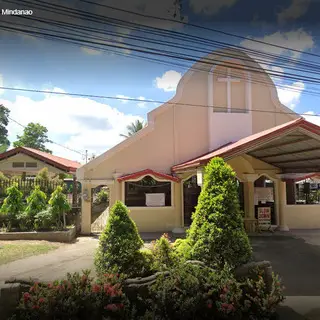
{"points": [[136, 191], [17, 164]]}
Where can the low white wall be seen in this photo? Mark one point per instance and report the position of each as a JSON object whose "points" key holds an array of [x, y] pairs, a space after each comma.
{"points": [[302, 216]]}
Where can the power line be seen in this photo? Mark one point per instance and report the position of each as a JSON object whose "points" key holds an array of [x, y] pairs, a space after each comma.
{"points": [[201, 28], [232, 65], [197, 58], [148, 101], [72, 27], [105, 20], [121, 47], [49, 140]]}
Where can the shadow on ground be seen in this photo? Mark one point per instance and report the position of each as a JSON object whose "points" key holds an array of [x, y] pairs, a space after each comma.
{"points": [[296, 261]]}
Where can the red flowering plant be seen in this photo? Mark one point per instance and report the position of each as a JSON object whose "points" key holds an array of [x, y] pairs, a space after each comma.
{"points": [[193, 291], [77, 297], [259, 299]]}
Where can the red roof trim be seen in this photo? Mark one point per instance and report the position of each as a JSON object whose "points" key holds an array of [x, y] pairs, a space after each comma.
{"points": [[248, 142], [139, 174], [60, 163]]}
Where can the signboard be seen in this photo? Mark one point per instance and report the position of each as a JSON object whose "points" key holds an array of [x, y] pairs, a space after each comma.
{"points": [[155, 199], [264, 194], [264, 217]]}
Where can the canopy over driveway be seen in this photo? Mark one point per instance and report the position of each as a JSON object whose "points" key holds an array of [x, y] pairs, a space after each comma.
{"points": [[293, 147]]}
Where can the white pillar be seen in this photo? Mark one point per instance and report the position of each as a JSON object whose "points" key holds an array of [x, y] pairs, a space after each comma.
{"points": [[86, 209], [282, 203]]}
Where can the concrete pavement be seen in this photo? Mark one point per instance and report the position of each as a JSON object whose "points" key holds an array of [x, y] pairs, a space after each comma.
{"points": [[54, 265]]}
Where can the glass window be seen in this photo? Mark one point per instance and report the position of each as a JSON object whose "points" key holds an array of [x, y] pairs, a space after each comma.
{"points": [[18, 164], [31, 165], [136, 191]]}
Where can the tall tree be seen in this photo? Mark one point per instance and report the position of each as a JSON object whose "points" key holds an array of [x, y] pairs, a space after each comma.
{"points": [[4, 121], [34, 136], [133, 128]]}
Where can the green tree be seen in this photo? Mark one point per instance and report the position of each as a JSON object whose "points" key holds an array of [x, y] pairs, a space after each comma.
{"points": [[4, 121], [34, 136], [37, 201], [3, 177], [12, 205], [119, 244], [43, 175], [133, 128], [59, 205], [217, 234]]}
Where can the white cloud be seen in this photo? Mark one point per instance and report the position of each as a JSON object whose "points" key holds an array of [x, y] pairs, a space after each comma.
{"points": [[297, 40], [123, 98], [55, 89], [275, 72], [210, 7], [1, 84], [289, 95], [141, 104], [168, 81], [296, 9], [90, 51], [313, 117], [78, 123]]}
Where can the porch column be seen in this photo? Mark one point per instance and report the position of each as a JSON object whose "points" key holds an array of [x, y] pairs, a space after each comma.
{"points": [[248, 187], [86, 209], [282, 203], [249, 194], [117, 190]]}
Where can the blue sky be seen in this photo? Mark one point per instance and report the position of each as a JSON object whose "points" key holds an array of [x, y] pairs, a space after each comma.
{"points": [[94, 124]]}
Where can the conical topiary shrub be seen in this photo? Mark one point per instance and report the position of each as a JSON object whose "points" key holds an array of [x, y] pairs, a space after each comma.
{"points": [[217, 234], [119, 244]]}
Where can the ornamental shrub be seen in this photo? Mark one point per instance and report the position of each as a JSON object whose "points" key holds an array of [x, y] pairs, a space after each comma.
{"points": [[102, 197], [12, 206], [193, 291], [78, 297], [44, 220], [119, 244], [3, 177], [43, 175], [164, 254], [217, 234], [59, 206], [37, 201]]}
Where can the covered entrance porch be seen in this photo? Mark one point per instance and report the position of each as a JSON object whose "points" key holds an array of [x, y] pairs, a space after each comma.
{"points": [[267, 164]]}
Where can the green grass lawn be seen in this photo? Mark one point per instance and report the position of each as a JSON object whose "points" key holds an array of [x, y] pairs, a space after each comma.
{"points": [[11, 251]]}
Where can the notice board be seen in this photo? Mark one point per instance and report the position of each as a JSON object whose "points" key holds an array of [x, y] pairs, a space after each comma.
{"points": [[155, 199], [264, 217]]}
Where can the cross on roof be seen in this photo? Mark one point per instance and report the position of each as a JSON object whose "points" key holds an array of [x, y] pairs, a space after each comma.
{"points": [[228, 79]]}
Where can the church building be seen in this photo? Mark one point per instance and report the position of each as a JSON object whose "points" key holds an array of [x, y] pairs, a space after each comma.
{"points": [[226, 105]]}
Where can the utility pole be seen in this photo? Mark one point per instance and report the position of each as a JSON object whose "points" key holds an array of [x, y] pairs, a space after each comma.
{"points": [[86, 156]]}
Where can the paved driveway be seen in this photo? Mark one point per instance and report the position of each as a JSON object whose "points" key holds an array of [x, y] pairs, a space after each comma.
{"points": [[295, 260], [296, 257], [54, 265]]}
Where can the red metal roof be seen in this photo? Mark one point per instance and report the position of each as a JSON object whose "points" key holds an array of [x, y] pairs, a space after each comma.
{"points": [[60, 163], [140, 174], [245, 143]]}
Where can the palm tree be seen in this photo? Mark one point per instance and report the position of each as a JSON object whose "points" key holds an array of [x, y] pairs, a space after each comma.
{"points": [[133, 128]]}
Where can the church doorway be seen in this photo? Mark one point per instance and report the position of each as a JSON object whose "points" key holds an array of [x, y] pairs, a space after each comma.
{"points": [[264, 200], [191, 192]]}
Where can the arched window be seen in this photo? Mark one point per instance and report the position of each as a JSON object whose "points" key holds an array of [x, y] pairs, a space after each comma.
{"points": [[148, 192]]}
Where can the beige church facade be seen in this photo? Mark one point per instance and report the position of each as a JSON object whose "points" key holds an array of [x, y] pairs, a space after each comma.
{"points": [[226, 105]]}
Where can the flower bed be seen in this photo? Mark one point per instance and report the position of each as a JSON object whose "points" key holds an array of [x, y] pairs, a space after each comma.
{"points": [[67, 235]]}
